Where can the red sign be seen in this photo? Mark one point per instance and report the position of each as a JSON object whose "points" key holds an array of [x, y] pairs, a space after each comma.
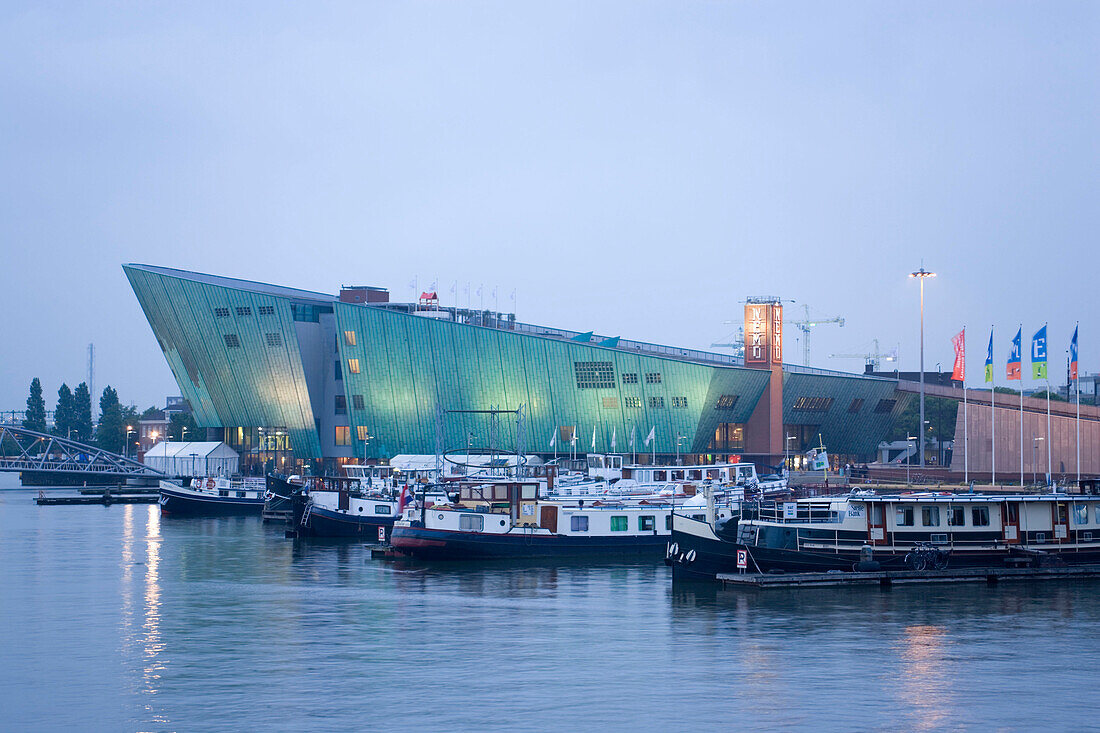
{"points": [[742, 559], [381, 534]]}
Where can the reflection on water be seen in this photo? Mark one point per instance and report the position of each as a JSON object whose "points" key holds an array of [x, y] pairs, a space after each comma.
{"points": [[144, 623]]}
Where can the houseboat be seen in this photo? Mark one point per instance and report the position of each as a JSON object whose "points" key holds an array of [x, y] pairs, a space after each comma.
{"points": [[864, 530], [213, 496], [509, 519], [342, 507]]}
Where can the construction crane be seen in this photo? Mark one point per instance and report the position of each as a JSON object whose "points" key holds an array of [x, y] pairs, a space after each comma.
{"points": [[737, 344], [873, 358], [806, 324]]}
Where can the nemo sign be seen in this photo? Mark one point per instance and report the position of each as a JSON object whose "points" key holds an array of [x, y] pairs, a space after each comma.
{"points": [[763, 334]]}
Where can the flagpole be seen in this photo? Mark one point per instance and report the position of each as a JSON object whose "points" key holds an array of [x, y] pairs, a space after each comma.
{"points": [[966, 444], [1077, 388], [1046, 371], [1020, 333], [993, 416]]}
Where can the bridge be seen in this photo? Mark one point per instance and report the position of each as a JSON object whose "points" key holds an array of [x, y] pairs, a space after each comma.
{"points": [[29, 450]]}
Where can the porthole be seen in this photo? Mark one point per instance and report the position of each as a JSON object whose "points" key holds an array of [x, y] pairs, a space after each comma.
{"points": [[440, 517], [502, 523], [360, 508]]}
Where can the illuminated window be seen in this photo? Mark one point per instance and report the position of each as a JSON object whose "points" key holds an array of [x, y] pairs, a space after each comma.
{"points": [[726, 402], [273, 339], [680, 402], [634, 402], [653, 378], [611, 403], [594, 374], [353, 366], [813, 404], [244, 310], [343, 435], [361, 432], [630, 378], [657, 403], [232, 341], [349, 338]]}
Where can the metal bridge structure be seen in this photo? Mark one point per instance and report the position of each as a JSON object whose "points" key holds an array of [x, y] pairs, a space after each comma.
{"points": [[29, 450]]}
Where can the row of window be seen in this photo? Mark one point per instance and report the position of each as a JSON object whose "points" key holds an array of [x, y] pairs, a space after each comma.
{"points": [[244, 311], [822, 404], [343, 434], [930, 516], [601, 374], [233, 341], [646, 523], [635, 403]]}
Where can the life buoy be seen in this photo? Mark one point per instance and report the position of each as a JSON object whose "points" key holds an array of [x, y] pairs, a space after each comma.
{"points": [[209, 483]]}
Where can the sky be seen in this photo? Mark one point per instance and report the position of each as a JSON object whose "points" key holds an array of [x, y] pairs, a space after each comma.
{"points": [[633, 168]]}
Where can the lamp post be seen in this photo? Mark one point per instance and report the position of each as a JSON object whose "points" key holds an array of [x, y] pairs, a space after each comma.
{"points": [[678, 439], [126, 452], [921, 275], [1035, 459], [787, 452], [263, 449], [908, 454]]}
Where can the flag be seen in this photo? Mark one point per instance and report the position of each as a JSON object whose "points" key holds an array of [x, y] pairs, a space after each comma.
{"points": [[612, 440], [554, 438], [631, 437], [989, 359], [1014, 358], [1039, 354], [404, 500], [820, 461], [593, 437], [958, 371], [573, 439], [1073, 355], [651, 436]]}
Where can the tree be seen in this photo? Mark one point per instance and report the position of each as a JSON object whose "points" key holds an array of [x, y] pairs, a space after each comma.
{"points": [[82, 414], [179, 421], [1054, 396], [63, 414], [110, 434], [35, 417], [939, 412], [149, 412]]}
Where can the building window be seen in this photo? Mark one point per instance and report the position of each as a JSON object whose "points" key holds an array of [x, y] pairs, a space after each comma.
{"points": [[633, 402], [349, 338], [726, 402], [244, 310], [221, 313], [267, 310], [904, 517], [273, 339], [341, 404], [630, 378], [980, 516], [611, 403], [680, 402], [353, 366], [652, 377], [357, 402], [339, 371], [343, 435], [728, 438], [471, 523], [231, 341], [857, 405], [594, 374], [578, 523], [956, 517], [930, 516], [657, 403], [618, 524], [884, 406], [362, 433], [813, 404], [566, 432]]}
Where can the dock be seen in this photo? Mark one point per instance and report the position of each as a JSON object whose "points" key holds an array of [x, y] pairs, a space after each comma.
{"points": [[907, 577], [104, 499]]}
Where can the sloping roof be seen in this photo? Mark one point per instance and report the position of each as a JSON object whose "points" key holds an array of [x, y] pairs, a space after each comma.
{"points": [[205, 449]]}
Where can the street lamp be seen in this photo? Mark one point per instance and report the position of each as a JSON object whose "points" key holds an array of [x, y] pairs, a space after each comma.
{"points": [[129, 429], [922, 274], [678, 439], [908, 453], [1035, 459], [787, 452]]}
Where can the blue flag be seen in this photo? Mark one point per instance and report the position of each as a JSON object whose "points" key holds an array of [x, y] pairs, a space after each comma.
{"points": [[989, 359], [1039, 354], [1073, 355], [1013, 371]]}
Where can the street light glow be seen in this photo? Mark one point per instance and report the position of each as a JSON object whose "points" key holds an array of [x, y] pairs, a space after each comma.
{"points": [[922, 273]]}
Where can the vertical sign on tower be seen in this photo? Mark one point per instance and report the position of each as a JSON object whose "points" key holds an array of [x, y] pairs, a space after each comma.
{"points": [[763, 334], [777, 333]]}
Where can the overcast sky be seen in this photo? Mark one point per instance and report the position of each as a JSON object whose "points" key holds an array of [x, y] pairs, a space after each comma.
{"points": [[635, 168]]}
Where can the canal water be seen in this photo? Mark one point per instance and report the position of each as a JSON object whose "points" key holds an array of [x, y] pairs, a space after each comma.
{"points": [[117, 619]]}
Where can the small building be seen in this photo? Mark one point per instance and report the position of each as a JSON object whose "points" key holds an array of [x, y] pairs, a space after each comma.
{"points": [[192, 459]]}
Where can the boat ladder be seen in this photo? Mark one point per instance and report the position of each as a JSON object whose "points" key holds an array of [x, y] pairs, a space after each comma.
{"points": [[306, 513]]}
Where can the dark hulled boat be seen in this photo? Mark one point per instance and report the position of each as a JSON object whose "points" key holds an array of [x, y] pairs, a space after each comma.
{"points": [[212, 497]]}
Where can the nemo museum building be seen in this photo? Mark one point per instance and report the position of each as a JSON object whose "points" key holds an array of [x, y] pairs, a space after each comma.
{"points": [[302, 380]]}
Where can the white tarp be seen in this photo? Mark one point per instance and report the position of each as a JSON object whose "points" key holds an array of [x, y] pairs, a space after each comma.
{"points": [[425, 463], [192, 459]]}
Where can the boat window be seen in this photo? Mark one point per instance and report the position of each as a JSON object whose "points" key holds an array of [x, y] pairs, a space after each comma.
{"points": [[646, 523], [695, 475], [668, 521], [240, 494], [618, 524], [1097, 513], [578, 523], [699, 517], [956, 517], [381, 509], [677, 475], [471, 523], [1080, 513], [980, 516], [1062, 514], [658, 475], [904, 516], [223, 492], [930, 516]]}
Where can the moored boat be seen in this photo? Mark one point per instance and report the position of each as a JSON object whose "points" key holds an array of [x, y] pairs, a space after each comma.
{"points": [[212, 497], [907, 531]]}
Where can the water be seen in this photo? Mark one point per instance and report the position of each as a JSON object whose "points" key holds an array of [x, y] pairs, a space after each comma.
{"points": [[116, 619]]}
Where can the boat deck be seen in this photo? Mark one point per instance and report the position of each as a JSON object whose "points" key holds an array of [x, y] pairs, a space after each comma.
{"points": [[907, 577]]}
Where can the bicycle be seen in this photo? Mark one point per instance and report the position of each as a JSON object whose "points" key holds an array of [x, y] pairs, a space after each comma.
{"points": [[926, 556]]}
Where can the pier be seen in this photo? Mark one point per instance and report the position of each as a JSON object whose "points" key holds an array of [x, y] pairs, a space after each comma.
{"points": [[104, 499], [907, 577]]}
